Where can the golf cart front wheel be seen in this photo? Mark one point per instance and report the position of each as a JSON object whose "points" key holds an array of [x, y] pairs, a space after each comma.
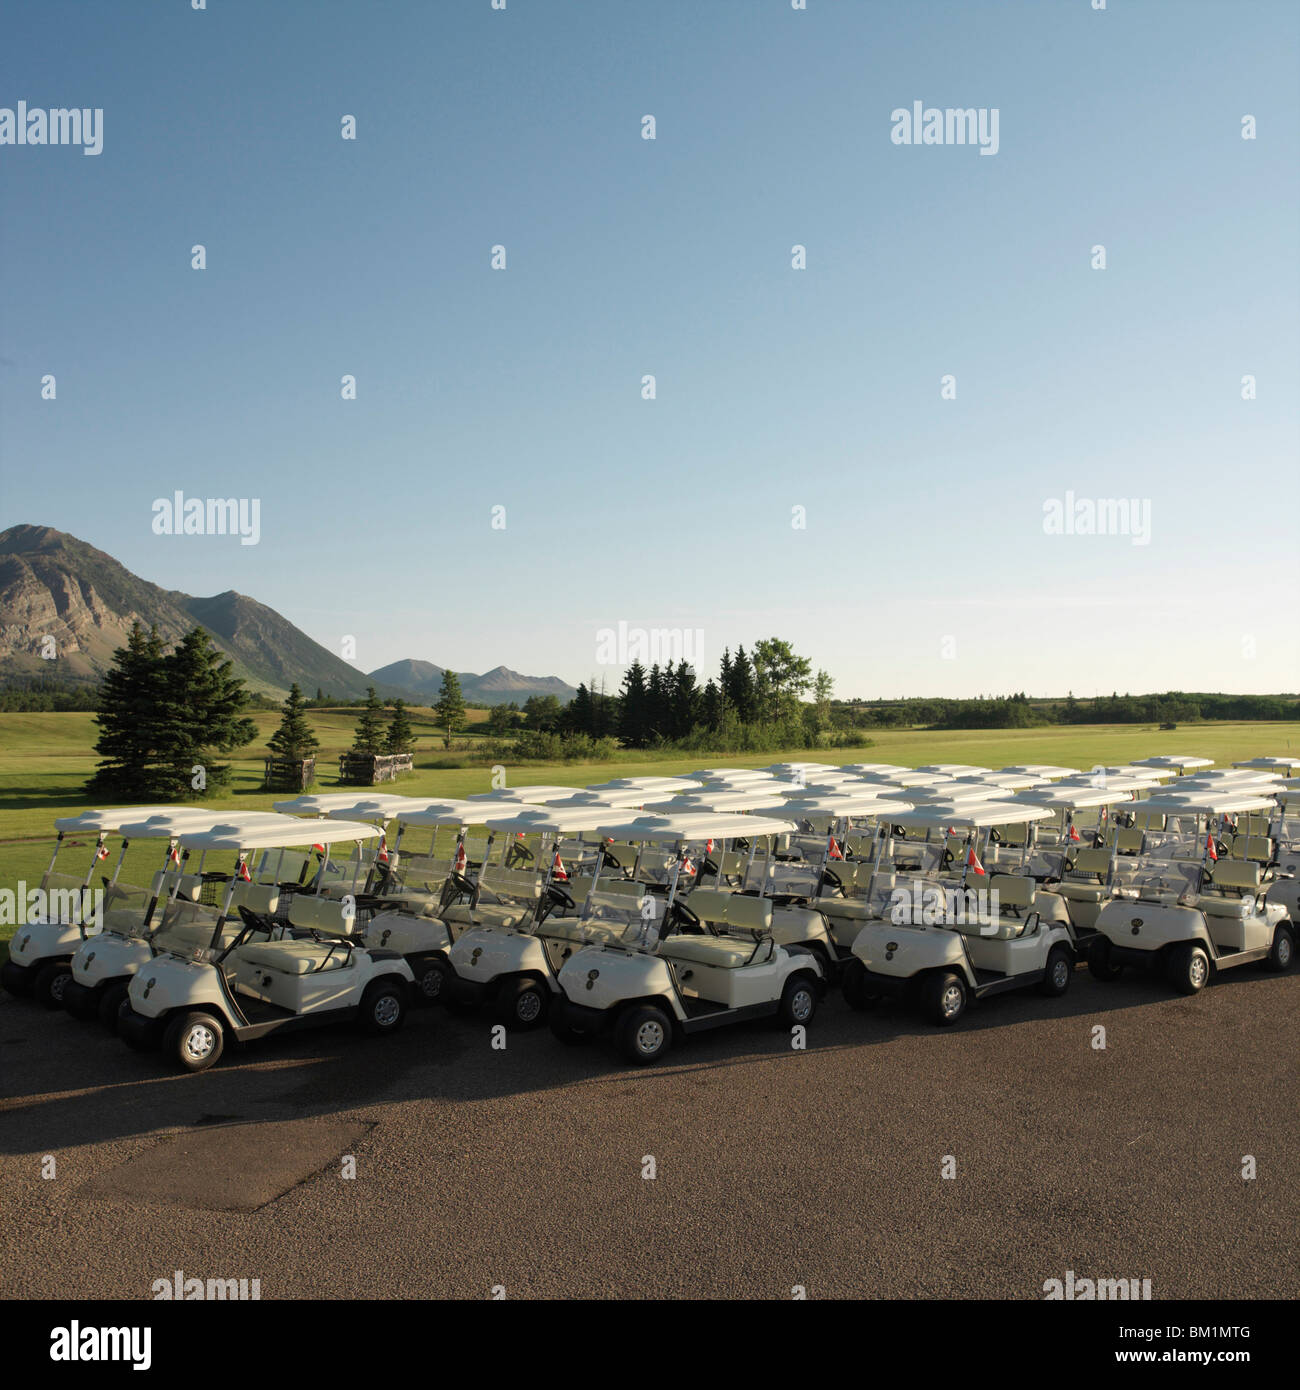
{"points": [[1099, 962], [858, 994], [1282, 952], [383, 1007], [645, 1034], [522, 1003], [50, 982], [1188, 969], [943, 996], [1060, 967], [110, 1002], [16, 979], [431, 982], [194, 1041], [798, 1002]]}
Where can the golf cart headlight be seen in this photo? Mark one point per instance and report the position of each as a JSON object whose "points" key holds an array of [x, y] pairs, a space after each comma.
{"points": [[90, 955], [23, 940]]}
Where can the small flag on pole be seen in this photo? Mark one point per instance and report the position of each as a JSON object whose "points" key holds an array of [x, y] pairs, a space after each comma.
{"points": [[972, 861], [834, 850], [459, 865], [1074, 833], [243, 875], [102, 852], [558, 871], [1210, 851]]}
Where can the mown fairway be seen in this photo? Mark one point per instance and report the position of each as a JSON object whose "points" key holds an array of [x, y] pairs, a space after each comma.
{"points": [[46, 758]]}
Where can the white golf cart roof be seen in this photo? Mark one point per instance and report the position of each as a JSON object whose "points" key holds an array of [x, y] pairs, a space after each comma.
{"points": [[758, 797], [795, 769], [1068, 798], [383, 807], [309, 804], [1284, 766], [1110, 782], [1178, 762], [608, 798], [526, 796], [670, 829], [908, 777], [1261, 783], [553, 820], [457, 813], [112, 818], [1008, 781], [1048, 770], [953, 769], [291, 831], [622, 784], [850, 786], [174, 823], [951, 792], [967, 815], [860, 768], [834, 804], [1210, 802], [1135, 771], [731, 774]]}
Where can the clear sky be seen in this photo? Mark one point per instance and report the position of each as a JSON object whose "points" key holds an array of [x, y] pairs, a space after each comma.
{"points": [[923, 567]]}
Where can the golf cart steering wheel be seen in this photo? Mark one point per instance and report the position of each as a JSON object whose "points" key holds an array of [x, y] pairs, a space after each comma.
{"points": [[519, 854], [947, 857], [558, 896], [608, 859], [830, 876], [683, 919]]}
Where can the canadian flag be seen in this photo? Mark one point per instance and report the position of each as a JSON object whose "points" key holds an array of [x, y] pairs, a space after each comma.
{"points": [[1210, 851], [459, 865], [381, 854], [558, 871], [243, 875], [319, 849], [688, 867], [708, 846], [972, 861], [834, 850], [102, 852], [174, 857], [1074, 833]]}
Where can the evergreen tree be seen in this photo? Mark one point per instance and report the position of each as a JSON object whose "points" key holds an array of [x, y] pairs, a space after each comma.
{"points": [[711, 707], [742, 696], [685, 701], [579, 713], [294, 738], [401, 732], [369, 735], [633, 723], [200, 712], [127, 720], [450, 708]]}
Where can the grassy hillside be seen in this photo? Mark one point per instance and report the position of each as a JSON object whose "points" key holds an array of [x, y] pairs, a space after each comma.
{"points": [[45, 759]]}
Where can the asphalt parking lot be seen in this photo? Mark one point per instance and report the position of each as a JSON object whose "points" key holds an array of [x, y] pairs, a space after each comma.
{"points": [[522, 1171]]}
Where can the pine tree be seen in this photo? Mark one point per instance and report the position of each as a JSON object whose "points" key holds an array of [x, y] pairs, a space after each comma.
{"points": [[127, 720], [200, 712], [711, 707], [450, 708], [369, 736], [401, 732], [294, 738], [743, 695], [633, 728], [685, 701]]}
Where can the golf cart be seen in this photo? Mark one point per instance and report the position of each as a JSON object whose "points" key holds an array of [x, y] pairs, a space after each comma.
{"points": [[1222, 915], [503, 956], [40, 954], [650, 984], [939, 950], [246, 988], [172, 916]]}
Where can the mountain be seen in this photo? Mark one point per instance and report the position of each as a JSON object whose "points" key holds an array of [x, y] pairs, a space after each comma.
{"points": [[422, 680], [53, 585]]}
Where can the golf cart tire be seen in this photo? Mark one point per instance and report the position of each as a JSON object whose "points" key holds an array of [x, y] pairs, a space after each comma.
{"points": [[937, 995], [383, 1006], [562, 1028], [636, 1030], [798, 1005], [81, 1002], [857, 992], [185, 1050], [16, 979], [1055, 983], [50, 982], [1187, 967], [110, 1004], [135, 1040], [431, 982], [1282, 952], [1100, 965], [522, 1002]]}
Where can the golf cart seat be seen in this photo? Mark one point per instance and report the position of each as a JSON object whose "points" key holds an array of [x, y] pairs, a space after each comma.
{"points": [[1258, 848], [165, 881], [1010, 836], [1091, 867], [293, 957], [1015, 894], [730, 910], [198, 933], [1232, 877], [313, 913], [489, 914], [1128, 841], [707, 950]]}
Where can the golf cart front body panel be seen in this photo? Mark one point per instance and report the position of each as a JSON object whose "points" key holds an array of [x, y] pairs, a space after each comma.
{"points": [[483, 955], [900, 952], [34, 943], [1145, 928], [601, 979], [406, 934]]}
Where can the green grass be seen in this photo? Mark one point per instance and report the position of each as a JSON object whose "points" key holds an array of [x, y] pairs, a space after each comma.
{"points": [[46, 758]]}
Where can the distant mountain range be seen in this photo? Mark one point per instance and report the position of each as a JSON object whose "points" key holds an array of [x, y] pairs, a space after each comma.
{"points": [[53, 585]]}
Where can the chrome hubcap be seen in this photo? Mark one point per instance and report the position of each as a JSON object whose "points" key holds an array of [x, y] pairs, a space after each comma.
{"points": [[650, 1037], [801, 1005], [386, 1010], [951, 1001], [57, 985], [199, 1042], [528, 1006], [1061, 974], [1198, 970], [431, 983], [1284, 950]]}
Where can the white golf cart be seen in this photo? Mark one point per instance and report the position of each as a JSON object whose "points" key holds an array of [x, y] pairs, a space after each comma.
{"points": [[942, 944], [171, 916], [1220, 916], [40, 954], [247, 988], [649, 984], [504, 956]]}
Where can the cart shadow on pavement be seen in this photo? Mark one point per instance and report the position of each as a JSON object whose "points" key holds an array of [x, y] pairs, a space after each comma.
{"points": [[65, 1083]]}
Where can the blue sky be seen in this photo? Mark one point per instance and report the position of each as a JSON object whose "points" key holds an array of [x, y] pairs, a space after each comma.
{"points": [[923, 567]]}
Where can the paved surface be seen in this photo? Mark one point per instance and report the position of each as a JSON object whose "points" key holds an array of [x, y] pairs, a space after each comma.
{"points": [[478, 1168]]}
